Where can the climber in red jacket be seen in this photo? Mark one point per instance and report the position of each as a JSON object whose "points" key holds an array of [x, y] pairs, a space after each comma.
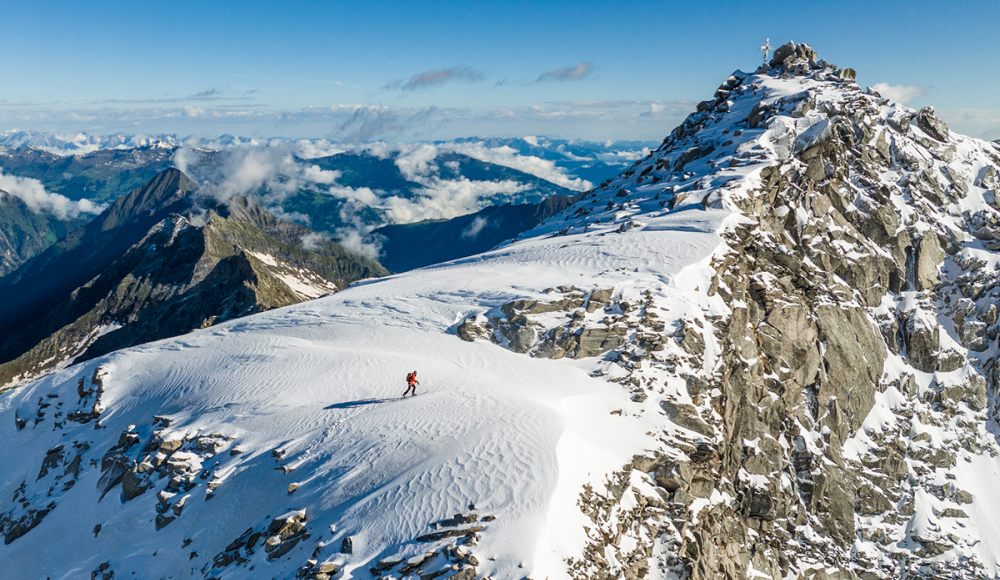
{"points": [[411, 384]]}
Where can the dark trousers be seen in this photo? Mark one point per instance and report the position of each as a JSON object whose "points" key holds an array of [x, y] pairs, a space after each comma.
{"points": [[411, 387]]}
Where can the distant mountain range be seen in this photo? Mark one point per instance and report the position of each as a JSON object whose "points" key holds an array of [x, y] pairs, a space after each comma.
{"points": [[591, 160], [83, 143], [409, 246], [170, 254], [101, 168], [572, 150], [100, 176], [340, 193], [159, 262]]}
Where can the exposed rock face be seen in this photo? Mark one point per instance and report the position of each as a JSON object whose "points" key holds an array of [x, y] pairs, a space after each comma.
{"points": [[851, 252], [518, 327], [932, 125], [128, 465], [929, 257], [923, 340], [790, 54]]}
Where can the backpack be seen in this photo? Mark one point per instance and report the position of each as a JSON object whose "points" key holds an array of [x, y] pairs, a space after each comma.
{"points": [[410, 378]]}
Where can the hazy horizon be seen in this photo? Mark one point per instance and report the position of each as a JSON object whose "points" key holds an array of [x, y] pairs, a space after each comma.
{"points": [[437, 71]]}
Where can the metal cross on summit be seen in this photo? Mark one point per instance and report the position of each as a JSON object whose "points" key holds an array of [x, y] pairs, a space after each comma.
{"points": [[767, 46]]}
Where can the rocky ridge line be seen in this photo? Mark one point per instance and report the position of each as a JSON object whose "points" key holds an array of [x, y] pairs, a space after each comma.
{"points": [[823, 414]]}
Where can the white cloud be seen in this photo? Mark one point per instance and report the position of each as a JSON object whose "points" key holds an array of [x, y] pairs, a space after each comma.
{"points": [[354, 237], [33, 194], [446, 199], [315, 174], [622, 157], [477, 225], [356, 123], [354, 241], [371, 122], [274, 170], [416, 162], [667, 108], [289, 216], [312, 241], [509, 157], [182, 159], [361, 194], [901, 94], [247, 170], [313, 149], [382, 150]]}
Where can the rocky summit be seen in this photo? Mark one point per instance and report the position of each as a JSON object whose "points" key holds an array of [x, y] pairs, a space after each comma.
{"points": [[766, 350], [844, 396]]}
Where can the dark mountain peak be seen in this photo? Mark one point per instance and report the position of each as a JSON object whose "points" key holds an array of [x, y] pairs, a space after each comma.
{"points": [[240, 208], [44, 281], [165, 189]]}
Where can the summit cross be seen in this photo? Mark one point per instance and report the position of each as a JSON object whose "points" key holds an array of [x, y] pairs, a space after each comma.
{"points": [[767, 46]]}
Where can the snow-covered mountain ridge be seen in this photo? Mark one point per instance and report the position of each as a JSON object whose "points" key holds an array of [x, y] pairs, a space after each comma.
{"points": [[765, 350], [77, 143]]}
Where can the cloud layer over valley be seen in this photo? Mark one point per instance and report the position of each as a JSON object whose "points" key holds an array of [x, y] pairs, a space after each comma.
{"points": [[38, 199], [431, 182], [341, 190]]}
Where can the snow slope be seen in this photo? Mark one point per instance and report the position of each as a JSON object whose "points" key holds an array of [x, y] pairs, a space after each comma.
{"points": [[516, 436]]}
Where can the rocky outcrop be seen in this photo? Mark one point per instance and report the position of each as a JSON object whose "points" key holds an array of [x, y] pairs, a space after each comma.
{"points": [[929, 256], [519, 325], [450, 552], [847, 255], [931, 125], [127, 471]]}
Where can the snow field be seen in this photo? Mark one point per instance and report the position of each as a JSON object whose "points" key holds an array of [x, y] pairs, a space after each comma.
{"points": [[312, 389]]}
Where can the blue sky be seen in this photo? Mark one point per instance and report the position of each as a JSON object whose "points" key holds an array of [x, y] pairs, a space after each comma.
{"points": [[405, 71]]}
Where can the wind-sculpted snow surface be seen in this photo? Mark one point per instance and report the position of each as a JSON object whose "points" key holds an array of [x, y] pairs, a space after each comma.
{"points": [[313, 392], [767, 350]]}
